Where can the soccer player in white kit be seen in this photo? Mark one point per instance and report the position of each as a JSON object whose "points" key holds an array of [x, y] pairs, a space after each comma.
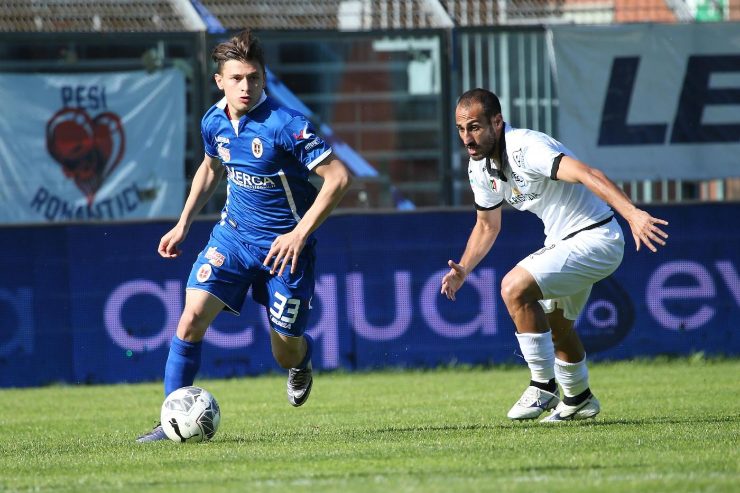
{"points": [[544, 292]]}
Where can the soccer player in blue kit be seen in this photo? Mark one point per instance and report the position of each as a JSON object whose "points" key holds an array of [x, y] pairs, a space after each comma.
{"points": [[264, 239]]}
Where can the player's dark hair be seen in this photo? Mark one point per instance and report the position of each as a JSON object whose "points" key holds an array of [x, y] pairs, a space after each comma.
{"points": [[488, 100], [244, 47]]}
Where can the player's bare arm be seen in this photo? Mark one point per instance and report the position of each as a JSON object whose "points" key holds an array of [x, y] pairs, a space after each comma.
{"points": [[645, 229], [286, 248], [205, 182], [482, 238]]}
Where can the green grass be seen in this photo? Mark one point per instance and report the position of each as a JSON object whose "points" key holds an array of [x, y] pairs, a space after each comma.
{"points": [[665, 426]]}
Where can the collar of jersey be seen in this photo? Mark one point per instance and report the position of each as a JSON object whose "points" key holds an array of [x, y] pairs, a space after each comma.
{"points": [[222, 104]]}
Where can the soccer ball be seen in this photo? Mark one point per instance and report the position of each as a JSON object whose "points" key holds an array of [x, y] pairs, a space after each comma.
{"points": [[190, 414]]}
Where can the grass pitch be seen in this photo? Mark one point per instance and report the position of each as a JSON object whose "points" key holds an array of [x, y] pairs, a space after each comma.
{"points": [[665, 426]]}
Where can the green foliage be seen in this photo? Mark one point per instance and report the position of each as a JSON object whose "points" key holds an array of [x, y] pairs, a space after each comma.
{"points": [[669, 425]]}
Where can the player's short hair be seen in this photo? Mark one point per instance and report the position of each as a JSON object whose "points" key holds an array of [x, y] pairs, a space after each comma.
{"points": [[245, 47], [488, 100]]}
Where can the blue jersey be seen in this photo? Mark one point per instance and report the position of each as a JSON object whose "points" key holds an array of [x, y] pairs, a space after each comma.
{"points": [[268, 159]]}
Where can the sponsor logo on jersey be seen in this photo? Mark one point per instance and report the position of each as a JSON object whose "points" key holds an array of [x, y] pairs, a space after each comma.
{"points": [[257, 147], [204, 273], [224, 154], [303, 134], [215, 258], [312, 144], [523, 197], [245, 180]]}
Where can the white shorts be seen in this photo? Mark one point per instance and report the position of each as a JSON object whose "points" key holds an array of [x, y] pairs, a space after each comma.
{"points": [[566, 271]]}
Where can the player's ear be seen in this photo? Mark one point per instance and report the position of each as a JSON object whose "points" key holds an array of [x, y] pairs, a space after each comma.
{"points": [[219, 80], [498, 121]]}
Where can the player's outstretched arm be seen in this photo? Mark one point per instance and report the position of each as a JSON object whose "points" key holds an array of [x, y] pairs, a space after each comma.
{"points": [[645, 229], [286, 248], [204, 184], [482, 238]]}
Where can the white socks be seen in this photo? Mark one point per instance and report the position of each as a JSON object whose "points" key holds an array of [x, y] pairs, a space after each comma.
{"points": [[573, 377], [539, 353]]}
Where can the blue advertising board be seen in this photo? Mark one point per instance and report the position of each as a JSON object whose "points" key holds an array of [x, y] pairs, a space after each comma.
{"points": [[96, 303]]}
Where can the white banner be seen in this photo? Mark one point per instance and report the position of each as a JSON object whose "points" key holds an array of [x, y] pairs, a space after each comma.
{"points": [[651, 101], [93, 146]]}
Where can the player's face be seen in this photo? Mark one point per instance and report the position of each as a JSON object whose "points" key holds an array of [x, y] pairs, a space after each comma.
{"points": [[242, 84], [478, 134]]}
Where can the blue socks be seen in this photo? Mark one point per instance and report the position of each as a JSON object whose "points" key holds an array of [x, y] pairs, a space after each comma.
{"points": [[183, 363], [309, 349]]}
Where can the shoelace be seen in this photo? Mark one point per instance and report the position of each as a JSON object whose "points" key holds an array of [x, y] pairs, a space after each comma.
{"points": [[529, 396], [298, 377]]}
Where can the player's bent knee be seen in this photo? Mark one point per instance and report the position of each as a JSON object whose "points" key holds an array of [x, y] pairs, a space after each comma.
{"points": [[518, 288], [512, 290]]}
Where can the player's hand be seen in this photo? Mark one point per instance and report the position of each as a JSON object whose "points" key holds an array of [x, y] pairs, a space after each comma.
{"points": [[168, 245], [286, 248], [645, 230], [453, 280]]}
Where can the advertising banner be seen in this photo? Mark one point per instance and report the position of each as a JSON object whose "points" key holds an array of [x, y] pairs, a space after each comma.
{"points": [[650, 101], [96, 303], [91, 146]]}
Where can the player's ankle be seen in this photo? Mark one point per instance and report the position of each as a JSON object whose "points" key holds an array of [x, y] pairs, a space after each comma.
{"points": [[549, 386], [577, 399]]}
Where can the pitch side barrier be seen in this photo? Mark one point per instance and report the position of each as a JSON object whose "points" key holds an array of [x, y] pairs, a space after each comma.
{"points": [[96, 304]]}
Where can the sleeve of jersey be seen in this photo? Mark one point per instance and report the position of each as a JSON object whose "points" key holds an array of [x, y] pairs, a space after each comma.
{"points": [[542, 159], [486, 198], [299, 138], [209, 142]]}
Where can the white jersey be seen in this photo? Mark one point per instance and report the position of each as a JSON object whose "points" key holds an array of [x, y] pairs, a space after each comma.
{"points": [[529, 183]]}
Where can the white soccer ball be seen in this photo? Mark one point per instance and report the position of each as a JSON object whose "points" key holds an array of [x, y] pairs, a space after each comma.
{"points": [[190, 414]]}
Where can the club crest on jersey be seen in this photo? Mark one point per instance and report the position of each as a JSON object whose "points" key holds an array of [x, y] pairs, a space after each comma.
{"points": [[204, 273], [215, 258], [492, 184], [224, 154], [257, 147], [303, 134]]}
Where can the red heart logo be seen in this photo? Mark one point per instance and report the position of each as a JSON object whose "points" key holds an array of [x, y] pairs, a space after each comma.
{"points": [[88, 149]]}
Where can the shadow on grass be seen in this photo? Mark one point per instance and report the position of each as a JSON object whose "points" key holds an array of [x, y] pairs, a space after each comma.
{"points": [[549, 426], [500, 426]]}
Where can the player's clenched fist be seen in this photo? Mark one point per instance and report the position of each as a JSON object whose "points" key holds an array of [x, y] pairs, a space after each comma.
{"points": [[168, 245]]}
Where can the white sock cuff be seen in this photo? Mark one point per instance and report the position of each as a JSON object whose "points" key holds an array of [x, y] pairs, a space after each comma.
{"points": [[566, 364], [543, 340]]}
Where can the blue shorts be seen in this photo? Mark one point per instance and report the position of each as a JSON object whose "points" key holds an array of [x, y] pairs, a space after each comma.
{"points": [[228, 267]]}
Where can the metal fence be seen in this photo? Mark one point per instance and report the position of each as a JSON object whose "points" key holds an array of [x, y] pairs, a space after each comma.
{"points": [[388, 94]]}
